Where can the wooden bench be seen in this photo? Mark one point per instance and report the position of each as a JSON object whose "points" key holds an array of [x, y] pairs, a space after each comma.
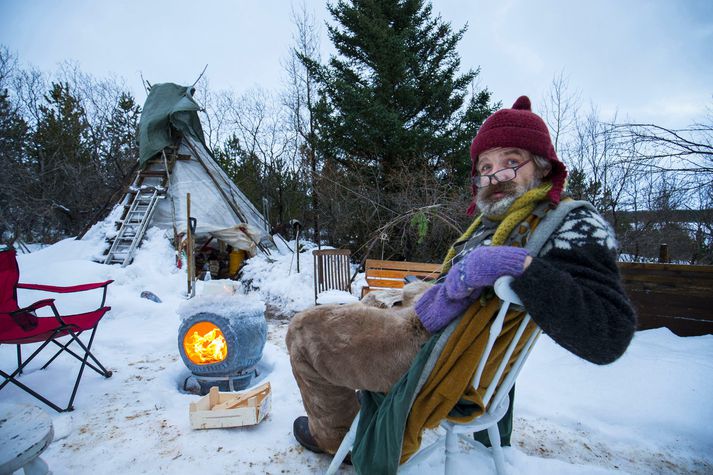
{"points": [[390, 274]]}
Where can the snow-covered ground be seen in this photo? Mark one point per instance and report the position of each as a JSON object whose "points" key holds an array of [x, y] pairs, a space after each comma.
{"points": [[649, 412]]}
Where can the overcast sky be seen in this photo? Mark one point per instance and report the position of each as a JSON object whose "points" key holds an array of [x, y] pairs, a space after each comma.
{"points": [[645, 60]]}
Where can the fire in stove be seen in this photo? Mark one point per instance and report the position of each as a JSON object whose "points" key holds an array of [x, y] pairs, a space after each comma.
{"points": [[222, 349], [204, 343]]}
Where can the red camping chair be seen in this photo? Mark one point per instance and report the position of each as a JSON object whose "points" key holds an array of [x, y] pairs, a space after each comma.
{"points": [[22, 325]]}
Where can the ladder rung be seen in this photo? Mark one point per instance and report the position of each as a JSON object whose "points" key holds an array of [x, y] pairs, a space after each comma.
{"points": [[150, 173]]}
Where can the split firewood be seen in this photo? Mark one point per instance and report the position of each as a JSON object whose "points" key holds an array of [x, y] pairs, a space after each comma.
{"points": [[241, 399], [213, 396]]}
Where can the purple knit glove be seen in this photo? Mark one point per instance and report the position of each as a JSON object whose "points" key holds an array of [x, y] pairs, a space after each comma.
{"points": [[436, 310], [481, 267]]}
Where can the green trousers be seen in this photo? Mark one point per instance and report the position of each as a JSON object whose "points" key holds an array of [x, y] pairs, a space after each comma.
{"points": [[504, 425]]}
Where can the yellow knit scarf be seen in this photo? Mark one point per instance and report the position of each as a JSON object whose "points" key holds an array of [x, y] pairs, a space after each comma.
{"points": [[519, 210]]}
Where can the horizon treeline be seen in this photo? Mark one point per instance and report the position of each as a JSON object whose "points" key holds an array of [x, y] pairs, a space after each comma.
{"points": [[368, 149]]}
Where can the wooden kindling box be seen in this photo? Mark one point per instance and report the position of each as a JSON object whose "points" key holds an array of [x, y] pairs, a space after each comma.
{"points": [[218, 410]]}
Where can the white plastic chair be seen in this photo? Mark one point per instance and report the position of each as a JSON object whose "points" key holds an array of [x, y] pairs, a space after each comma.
{"points": [[496, 399]]}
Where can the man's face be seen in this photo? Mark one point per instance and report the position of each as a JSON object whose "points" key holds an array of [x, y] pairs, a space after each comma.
{"points": [[496, 198]]}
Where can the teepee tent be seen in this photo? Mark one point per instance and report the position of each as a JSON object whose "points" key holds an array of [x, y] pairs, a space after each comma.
{"points": [[174, 161]]}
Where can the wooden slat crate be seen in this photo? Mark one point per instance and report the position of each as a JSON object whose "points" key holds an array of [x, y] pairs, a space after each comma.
{"points": [[218, 410]]}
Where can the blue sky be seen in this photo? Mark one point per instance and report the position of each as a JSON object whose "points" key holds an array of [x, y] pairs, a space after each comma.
{"points": [[644, 60]]}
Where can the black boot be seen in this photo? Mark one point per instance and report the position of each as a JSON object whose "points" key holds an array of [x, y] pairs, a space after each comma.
{"points": [[300, 428]]}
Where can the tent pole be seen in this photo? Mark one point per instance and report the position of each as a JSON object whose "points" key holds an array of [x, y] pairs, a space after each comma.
{"points": [[190, 270]]}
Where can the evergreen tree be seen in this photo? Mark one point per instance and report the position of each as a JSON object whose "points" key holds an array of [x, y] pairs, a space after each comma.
{"points": [[15, 179], [228, 157], [67, 174], [122, 148], [393, 98], [283, 188]]}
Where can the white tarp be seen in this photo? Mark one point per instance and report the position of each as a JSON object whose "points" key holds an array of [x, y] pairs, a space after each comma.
{"points": [[219, 207]]}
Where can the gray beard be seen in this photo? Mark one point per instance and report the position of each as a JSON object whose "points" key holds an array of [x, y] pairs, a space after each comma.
{"points": [[501, 206]]}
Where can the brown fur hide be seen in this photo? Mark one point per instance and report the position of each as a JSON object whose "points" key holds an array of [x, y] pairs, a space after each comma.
{"points": [[336, 349]]}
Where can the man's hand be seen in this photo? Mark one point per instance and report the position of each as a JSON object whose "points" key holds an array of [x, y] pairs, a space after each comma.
{"points": [[482, 266]]}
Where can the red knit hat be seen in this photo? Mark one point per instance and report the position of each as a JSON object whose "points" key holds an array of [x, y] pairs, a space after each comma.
{"points": [[519, 127]]}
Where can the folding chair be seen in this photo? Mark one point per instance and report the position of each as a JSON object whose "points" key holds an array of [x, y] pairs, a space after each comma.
{"points": [[495, 399], [21, 326], [331, 271]]}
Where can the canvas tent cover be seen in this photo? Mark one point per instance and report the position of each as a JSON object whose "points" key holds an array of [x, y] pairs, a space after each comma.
{"points": [[219, 207], [168, 105]]}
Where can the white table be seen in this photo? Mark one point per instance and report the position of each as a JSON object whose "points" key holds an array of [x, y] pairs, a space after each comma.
{"points": [[25, 432]]}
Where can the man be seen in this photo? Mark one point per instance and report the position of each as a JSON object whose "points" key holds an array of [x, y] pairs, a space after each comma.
{"points": [[569, 282]]}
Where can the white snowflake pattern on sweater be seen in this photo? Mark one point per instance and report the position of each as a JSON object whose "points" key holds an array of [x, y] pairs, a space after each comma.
{"points": [[581, 227]]}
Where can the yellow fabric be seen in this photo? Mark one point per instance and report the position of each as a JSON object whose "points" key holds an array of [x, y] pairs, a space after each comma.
{"points": [[452, 376], [519, 210], [235, 260]]}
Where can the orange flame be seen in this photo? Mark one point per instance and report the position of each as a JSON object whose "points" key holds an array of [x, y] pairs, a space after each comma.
{"points": [[205, 344]]}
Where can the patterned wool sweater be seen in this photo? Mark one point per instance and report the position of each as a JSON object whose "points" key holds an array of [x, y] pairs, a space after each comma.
{"points": [[574, 292]]}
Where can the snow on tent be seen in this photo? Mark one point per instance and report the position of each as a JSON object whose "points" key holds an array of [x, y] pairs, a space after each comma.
{"points": [[174, 161]]}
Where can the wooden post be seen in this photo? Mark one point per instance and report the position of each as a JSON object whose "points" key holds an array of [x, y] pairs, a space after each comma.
{"points": [[663, 254], [297, 228], [297, 248], [191, 265]]}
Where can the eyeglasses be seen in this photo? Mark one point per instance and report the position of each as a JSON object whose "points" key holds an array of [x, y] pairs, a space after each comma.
{"points": [[500, 176]]}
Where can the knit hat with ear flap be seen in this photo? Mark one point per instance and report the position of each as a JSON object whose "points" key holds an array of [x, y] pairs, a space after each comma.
{"points": [[519, 127]]}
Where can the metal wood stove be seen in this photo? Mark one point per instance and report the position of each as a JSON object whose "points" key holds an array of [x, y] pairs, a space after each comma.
{"points": [[222, 350]]}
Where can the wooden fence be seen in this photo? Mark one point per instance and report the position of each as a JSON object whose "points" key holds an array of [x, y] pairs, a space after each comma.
{"points": [[679, 297]]}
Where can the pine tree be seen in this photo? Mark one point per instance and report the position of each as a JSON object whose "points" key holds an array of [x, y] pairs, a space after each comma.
{"points": [[121, 148], [16, 178], [66, 171], [283, 188], [393, 98]]}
